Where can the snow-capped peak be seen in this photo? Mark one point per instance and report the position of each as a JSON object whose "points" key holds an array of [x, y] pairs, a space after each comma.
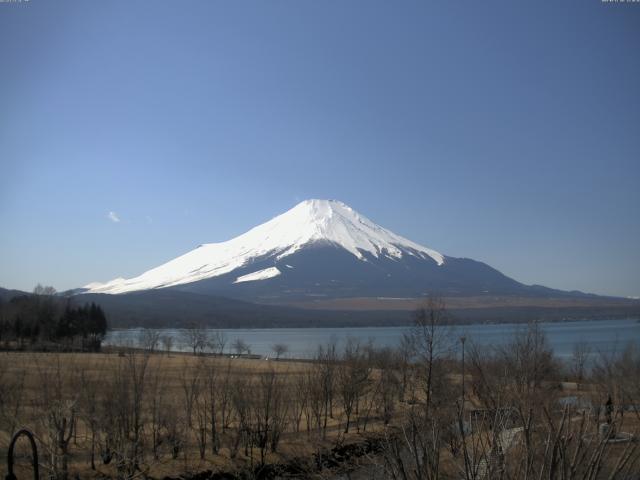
{"points": [[309, 222], [336, 222]]}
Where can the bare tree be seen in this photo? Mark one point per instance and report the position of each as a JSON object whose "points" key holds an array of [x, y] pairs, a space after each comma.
{"points": [[174, 432], [59, 404], [202, 408], [12, 384], [581, 353], [628, 366], [167, 343], [90, 410], [389, 385], [511, 381], [315, 405], [415, 451], [405, 353], [240, 346], [149, 339], [194, 337], [217, 340], [616, 375], [299, 404], [224, 397], [190, 385], [157, 404], [353, 374], [326, 361], [124, 414], [269, 412], [213, 385], [241, 400], [279, 349], [431, 340]]}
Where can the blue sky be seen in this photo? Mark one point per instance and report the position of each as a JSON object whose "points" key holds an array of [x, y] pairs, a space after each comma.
{"points": [[508, 132]]}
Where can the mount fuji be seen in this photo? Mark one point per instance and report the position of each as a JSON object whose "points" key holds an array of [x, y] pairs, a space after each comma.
{"points": [[321, 250]]}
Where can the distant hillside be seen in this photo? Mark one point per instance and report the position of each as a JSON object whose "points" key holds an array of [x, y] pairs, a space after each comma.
{"points": [[170, 308], [6, 295]]}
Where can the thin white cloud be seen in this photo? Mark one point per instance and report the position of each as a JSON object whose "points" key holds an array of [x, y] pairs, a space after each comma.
{"points": [[113, 216], [149, 219]]}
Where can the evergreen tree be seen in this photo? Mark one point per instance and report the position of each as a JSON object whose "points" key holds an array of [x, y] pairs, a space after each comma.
{"points": [[48, 317]]}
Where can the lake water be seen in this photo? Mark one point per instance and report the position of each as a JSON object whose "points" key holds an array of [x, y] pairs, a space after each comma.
{"points": [[601, 335]]}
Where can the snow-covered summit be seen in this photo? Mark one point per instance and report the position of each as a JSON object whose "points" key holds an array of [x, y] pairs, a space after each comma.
{"points": [[334, 221], [308, 223]]}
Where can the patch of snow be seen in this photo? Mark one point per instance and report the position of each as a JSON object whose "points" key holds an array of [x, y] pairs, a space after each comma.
{"points": [[259, 275]]}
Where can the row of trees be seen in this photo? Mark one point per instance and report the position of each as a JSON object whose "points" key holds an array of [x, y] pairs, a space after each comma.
{"points": [[199, 341], [515, 421], [126, 415], [44, 318]]}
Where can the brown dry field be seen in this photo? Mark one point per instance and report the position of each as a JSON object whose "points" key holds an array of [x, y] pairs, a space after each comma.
{"points": [[488, 301], [173, 368]]}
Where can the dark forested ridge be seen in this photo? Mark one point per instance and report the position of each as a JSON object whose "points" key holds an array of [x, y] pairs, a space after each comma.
{"points": [[173, 308]]}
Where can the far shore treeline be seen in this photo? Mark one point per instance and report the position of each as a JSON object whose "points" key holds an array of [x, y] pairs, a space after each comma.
{"points": [[45, 320]]}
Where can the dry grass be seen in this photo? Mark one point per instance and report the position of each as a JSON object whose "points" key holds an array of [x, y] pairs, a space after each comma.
{"points": [[175, 370], [45, 378], [475, 302]]}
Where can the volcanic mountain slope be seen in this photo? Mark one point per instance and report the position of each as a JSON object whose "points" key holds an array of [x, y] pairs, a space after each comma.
{"points": [[321, 249]]}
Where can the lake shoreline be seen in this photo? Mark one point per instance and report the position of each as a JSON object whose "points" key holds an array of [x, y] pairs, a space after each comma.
{"points": [[602, 335]]}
